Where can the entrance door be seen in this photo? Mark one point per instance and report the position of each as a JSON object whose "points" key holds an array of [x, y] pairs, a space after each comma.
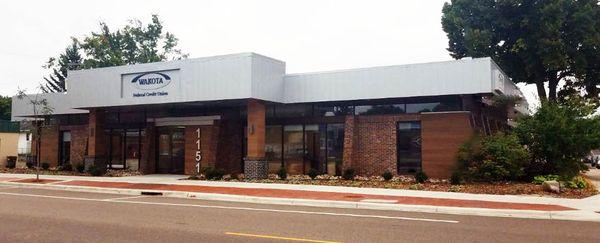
{"points": [[65, 148], [171, 150]]}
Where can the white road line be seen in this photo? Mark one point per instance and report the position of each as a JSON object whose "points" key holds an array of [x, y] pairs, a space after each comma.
{"points": [[122, 198], [235, 208]]}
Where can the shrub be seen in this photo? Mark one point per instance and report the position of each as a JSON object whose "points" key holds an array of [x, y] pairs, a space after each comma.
{"points": [[65, 167], [282, 173], [456, 178], [421, 177], [577, 183], [234, 176], [493, 158], [454, 188], [541, 178], [558, 136], [30, 165], [80, 167], [387, 175], [417, 186], [94, 170], [212, 173], [313, 173], [45, 166], [349, 174]]}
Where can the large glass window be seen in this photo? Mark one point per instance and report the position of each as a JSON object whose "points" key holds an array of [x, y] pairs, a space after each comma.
{"points": [[379, 109], [132, 150], [65, 147], [333, 110], [335, 148], [293, 149], [408, 146], [273, 147], [314, 142], [123, 147]]}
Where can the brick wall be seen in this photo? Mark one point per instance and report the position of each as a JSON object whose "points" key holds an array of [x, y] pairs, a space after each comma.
{"points": [[49, 145], [229, 147], [370, 142], [209, 137], [79, 138]]}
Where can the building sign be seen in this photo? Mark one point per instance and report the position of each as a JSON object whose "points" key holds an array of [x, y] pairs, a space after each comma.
{"points": [[150, 84]]}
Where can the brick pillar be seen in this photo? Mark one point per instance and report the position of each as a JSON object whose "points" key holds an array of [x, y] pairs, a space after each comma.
{"points": [[348, 155], [96, 140], [255, 164]]}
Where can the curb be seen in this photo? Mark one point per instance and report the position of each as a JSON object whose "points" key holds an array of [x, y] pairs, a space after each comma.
{"points": [[577, 215]]}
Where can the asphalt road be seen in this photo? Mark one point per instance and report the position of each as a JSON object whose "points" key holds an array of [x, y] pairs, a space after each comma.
{"points": [[34, 215]]}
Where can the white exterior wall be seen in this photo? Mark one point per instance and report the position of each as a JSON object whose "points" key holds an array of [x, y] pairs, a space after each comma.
{"points": [[249, 75]]}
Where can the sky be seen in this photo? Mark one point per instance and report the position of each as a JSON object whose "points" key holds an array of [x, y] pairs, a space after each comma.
{"points": [[309, 35]]}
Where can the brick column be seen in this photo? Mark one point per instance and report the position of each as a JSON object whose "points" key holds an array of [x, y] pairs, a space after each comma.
{"points": [[96, 153], [255, 164]]}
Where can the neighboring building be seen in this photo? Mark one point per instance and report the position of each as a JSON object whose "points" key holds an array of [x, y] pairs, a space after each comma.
{"points": [[9, 137], [243, 109]]}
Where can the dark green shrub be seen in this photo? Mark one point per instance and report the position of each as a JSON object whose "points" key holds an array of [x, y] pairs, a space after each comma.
{"points": [[349, 174], [212, 173], [456, 178], [313, 173], [65, 167], [30, 165], [234, 176], [95, 170], [80, 167], [282, 173], [493, 158], [421, 177], [45, 166], [558, 136], [387, 175]]}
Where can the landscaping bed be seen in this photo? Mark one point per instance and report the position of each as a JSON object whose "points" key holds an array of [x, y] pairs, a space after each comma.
{"points": [[408, 183], [54, 171]]}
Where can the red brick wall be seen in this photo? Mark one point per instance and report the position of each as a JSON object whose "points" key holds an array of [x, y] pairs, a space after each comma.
{"points": [[148, 150], [209, 137], [49, 145], [79, 137], [229, 146], [370, 142]]}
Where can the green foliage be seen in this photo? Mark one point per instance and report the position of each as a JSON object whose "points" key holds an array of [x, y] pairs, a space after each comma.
{"points": [[456, 178], [5, 107], [421, 177], [387, 175], [282, 173], [541, 178], [493, 158], [558, 137], [132, 44], [349, 174], [536, 42], [313, 173], [211, 173], [417, 186], [45, 166], [577, 183], [80, 167], [95, 170]]}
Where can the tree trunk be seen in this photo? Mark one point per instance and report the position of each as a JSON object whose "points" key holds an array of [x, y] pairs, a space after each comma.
{"points": [[541, 90], [552, 86]]}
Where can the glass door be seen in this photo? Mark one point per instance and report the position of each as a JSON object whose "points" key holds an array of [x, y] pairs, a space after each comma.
{"points": [[171, 150]]}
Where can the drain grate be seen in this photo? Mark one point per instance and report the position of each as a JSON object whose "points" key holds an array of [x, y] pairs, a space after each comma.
{"points": [[150, 193]]}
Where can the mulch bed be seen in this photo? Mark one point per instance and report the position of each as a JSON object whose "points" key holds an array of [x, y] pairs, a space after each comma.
{"points": [[54, 171], [496, 188]]}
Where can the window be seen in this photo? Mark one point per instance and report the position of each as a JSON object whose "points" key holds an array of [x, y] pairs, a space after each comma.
{"points": [[333, 110], [408, 146], [379, 109], [273, 147], [293, 148], [65, 148]]}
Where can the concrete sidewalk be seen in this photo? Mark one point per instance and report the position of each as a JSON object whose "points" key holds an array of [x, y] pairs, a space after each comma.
{"points": [[325, 196]]}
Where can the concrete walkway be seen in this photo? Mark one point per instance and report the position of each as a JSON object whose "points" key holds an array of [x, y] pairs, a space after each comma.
{"points": [[326, 196]]}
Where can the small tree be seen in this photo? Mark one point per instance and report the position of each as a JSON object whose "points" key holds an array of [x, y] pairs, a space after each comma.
{"points": [[40, 108], [559, 136]]}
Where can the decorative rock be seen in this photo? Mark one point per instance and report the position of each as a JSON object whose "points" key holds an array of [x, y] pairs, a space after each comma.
{"points": [[551, 186]]}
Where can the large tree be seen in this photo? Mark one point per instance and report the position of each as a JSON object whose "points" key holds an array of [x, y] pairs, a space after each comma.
{"points": [[5, 107], [132, 44], [541, 42]]}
